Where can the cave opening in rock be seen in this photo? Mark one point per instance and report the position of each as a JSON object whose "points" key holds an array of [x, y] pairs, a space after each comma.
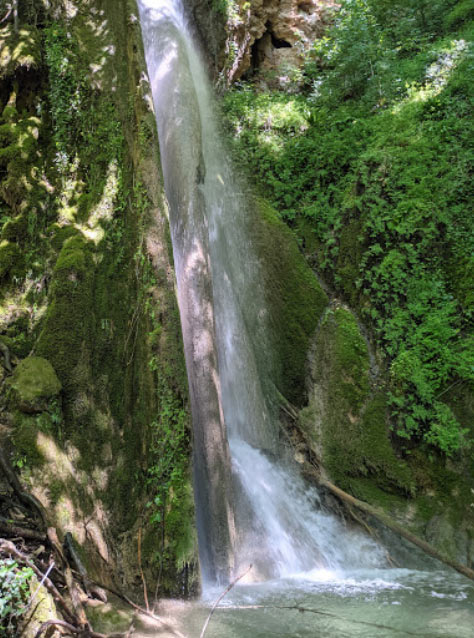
{"points": [[277, 43], [262, 48]]}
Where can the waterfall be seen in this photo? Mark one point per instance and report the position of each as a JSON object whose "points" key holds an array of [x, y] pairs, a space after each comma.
{"points": [[259, 511]]}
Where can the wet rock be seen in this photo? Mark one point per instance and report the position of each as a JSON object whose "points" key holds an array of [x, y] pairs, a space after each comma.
{"points": [[453, 542]]}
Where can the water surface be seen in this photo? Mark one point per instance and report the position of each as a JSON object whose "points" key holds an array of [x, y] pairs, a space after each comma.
{"points": [[375, 603]]}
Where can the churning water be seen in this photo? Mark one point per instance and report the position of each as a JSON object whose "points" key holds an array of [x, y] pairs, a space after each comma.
{"points": [[316, 577]]}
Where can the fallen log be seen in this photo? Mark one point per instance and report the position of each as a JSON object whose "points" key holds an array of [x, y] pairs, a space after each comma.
{"points": [[76, 601], [90, 588], [389, 522]]}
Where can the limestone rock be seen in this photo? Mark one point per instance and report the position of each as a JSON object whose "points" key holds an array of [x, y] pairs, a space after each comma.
{"points": [[270, 37], [34, 382]]}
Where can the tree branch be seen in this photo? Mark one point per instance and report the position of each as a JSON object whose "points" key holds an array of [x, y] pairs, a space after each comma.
{"points": [[389, 522], [226, 591]]}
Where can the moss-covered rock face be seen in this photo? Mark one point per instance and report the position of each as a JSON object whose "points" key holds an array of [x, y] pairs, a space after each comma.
{"points": [[33, 383], [44, 609], [346, 426], [88, 293], [10, 258], [294, 299], [69, 318], [347, 417]]}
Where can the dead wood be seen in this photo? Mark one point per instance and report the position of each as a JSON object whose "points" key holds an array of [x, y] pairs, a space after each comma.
{"points": [[224, 593], [127, 600], [139, 550], [27, 499], [7, 15], [77, 563], [75, 596], [55, 544], [56, 623]]}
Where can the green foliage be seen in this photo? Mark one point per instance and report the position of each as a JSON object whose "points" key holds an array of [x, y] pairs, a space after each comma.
{"points": [[358, 57], [381, 144], [168, 477], [87, 132], [65, 86], [14, 593], [169, 443]]}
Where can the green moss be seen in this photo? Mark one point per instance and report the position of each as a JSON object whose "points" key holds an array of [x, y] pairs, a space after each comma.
{"points": [[59, 234], [97, 330], [19, 338], [15, 229], [69, 321], [351, 422], [351, 362], [34, 381], [366, 490], [378, 453], [56, 490], [460, 399], [11, 259], [293, 296], [108, 618], [25, 439], [348, 260]]}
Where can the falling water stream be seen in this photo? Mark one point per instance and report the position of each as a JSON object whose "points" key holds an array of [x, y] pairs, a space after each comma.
{"points": [[252, 508]]}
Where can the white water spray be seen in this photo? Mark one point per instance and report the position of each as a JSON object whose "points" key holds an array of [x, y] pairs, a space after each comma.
{"points": [[264, 515]]}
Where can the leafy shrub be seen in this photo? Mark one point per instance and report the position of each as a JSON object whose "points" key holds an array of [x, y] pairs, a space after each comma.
{"points": [[14, 592], [383, 144]]}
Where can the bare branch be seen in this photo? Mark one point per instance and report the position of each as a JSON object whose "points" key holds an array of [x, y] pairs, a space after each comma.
{"points": [[8, 14], [226, 591]]}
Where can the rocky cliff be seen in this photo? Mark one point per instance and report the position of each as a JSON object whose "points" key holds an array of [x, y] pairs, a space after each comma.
{"points": [[264, 38]]}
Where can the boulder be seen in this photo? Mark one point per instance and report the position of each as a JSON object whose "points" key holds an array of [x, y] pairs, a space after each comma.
{"points": [[33, 384]]}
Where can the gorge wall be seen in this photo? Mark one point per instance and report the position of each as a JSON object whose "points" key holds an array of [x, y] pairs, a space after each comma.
{"points": [[94, 395], [94, 410]]}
